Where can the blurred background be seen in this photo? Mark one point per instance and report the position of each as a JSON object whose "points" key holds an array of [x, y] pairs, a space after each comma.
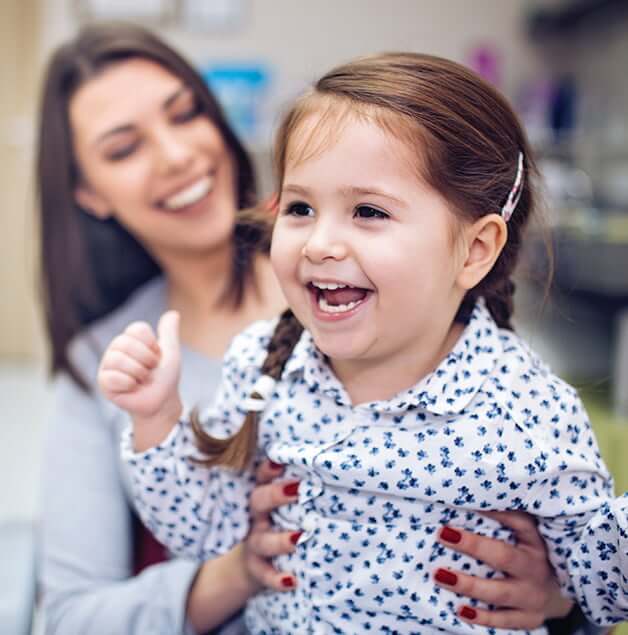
{"points": [[561, 62]]}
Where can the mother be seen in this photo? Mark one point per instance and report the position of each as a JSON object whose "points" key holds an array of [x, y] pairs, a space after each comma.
{"points": [[141, 180]]}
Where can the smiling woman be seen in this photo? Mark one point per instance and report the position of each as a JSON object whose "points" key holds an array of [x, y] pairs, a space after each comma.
{"points": [[141, 187]]}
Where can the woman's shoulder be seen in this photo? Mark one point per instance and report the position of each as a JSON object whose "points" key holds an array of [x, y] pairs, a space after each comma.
{"points": [[146, 303]]}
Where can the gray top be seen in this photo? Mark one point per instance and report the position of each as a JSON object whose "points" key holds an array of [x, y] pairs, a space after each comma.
{"points": [[86, 559]]}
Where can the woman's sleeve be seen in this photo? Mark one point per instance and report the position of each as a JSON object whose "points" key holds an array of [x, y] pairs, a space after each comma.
{"points": [[86, 558]]}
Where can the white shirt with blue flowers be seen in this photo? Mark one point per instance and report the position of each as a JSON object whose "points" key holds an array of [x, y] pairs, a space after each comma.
{"points": [[490, 429]]}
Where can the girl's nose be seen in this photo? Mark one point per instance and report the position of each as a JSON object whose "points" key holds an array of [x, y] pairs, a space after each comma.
{"points": [[324, 243]]}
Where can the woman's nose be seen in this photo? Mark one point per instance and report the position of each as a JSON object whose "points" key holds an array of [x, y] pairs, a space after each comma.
{"points": [[174, 152], [324, 242]]}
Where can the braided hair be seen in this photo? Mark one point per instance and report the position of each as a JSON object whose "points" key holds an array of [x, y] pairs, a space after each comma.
{"points": [[237, 451]]}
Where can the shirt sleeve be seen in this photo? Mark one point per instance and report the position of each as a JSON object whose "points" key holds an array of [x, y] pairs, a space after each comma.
{"points": [[197, 512], [86, 550], [571, 493]]}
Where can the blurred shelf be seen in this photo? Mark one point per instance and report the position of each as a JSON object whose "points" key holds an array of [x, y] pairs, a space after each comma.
{"points": [[575, 15]]}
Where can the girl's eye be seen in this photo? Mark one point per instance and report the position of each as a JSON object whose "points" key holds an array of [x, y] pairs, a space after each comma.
{"points": [[123, 152], [299, 209], [366, 211]]}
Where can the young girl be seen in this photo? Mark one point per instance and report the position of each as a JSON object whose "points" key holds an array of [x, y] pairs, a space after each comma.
{"points": [[395, 390]]}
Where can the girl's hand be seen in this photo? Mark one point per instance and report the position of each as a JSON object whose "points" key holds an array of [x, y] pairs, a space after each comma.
{"points": [[527, 596], [263, 542], [140, 374]]}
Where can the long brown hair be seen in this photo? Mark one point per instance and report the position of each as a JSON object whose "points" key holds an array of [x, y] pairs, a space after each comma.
{"points": [[88, 266], [466, 140]]}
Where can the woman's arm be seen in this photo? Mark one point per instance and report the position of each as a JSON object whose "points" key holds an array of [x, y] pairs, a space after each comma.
{"points": [[86, 558]]}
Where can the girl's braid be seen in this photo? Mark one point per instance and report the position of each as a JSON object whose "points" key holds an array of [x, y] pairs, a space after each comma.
{"points": [[237, 451]]}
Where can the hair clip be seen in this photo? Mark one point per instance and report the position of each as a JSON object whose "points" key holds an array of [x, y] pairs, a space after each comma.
{"points": [[515, 193], [263, 387]]}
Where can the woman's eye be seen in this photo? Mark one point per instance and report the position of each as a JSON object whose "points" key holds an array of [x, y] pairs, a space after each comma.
{"points": [[366, 211], [299, 209], [187, 113], [123, 152]]}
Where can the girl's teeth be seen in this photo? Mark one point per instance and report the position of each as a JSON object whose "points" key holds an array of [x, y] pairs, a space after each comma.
{"points": [[338, 308], [191, 194], [329, 285]]}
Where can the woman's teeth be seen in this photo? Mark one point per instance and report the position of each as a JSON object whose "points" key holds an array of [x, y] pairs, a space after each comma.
{"points": [[190, 195]]}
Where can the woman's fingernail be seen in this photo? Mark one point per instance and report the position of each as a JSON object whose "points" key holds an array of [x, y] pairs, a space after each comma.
{"points": [[291, 489], [446, 577], [468, 613], [287, 582], [274, 466], [450, 535], [294, 538]]}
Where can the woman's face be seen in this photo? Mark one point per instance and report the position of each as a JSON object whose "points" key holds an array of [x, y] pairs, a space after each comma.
{"points": [[149, 158]]}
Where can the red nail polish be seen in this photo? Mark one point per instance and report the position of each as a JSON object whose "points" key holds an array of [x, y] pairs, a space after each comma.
{"points": [[274, 466], [287, 582], [446, 577], [450, 535], [294, 538], [291, 489], [468, 613]]}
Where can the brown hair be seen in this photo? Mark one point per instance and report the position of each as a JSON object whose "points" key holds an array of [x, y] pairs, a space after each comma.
{"points": [[467, 141], [79, 284]]}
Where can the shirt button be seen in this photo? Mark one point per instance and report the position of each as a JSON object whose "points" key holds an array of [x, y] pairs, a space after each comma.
{"points": [[309, 523]]}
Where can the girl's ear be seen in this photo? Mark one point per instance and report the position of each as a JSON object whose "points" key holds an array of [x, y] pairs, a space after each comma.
{"points": [[91, 202], [485, 240]]}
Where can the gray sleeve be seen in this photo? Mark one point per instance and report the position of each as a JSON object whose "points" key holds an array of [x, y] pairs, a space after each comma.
{"points": [[86, 534]]}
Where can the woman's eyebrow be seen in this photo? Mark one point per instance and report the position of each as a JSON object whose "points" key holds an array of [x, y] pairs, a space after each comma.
{"points": [[130, 127]]}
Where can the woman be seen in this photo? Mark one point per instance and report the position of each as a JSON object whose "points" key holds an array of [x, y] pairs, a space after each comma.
{"points": [[141, 181]]}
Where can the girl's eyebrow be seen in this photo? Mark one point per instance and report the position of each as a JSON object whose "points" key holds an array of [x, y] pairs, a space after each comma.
{"points": [[347, 192], [167, 103]]}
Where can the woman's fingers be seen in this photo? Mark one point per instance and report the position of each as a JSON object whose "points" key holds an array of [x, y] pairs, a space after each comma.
{"points": [[268, 471], [265, 498], [524, 526], [516, 560], [506, 593], [268, 544], [512, 619], [269, 577]]}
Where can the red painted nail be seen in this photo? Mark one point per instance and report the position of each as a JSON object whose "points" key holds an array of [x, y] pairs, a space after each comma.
{"points": [[274, 466], [468, 613], [287, 581], [291, 489], [446, 577], [294, 538], [450, 535]]}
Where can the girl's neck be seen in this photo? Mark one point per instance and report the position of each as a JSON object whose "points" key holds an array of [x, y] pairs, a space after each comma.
{"points": [[382, 379]]}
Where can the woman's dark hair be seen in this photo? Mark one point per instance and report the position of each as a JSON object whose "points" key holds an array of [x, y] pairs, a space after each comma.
{"points": [[89, 267], [466, 140]]}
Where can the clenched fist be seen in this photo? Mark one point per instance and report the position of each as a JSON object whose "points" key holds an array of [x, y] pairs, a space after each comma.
{"points": [[139, 373]]}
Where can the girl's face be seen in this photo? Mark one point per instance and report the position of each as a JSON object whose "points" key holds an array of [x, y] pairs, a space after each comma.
{"points": [[365, 252], [151, 159]]}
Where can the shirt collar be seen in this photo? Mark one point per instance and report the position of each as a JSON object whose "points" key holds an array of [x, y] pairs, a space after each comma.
{"points": [[446, 391]]}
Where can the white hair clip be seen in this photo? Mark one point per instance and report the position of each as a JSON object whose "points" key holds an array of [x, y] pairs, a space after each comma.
{"points": [[264, 387], [515, 193]]}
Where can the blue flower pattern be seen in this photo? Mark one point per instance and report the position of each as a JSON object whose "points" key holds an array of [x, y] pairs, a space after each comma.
{"points": [[490, 429]]}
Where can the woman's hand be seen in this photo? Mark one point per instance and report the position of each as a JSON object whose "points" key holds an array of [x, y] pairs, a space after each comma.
{"points": [[263, 542], [527, 596]]}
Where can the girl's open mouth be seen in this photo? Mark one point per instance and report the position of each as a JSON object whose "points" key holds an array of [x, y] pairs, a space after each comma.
{"points": [[333, 298]]}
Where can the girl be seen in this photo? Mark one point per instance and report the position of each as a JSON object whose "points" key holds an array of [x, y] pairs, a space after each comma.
{"points": [[395, 389]]}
